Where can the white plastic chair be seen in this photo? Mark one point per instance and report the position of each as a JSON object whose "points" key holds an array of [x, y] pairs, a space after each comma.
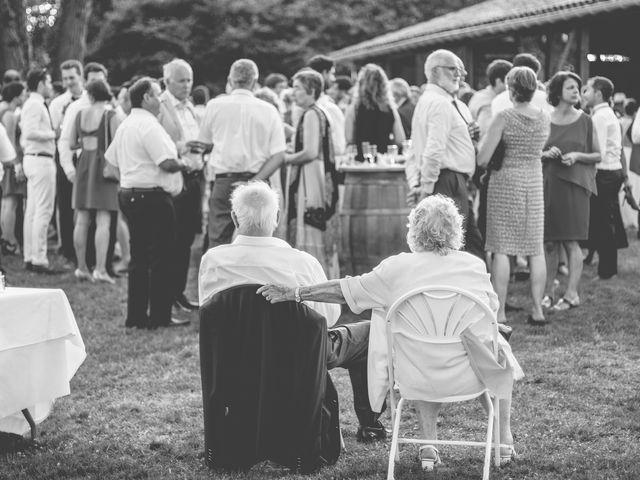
{"points": [[432, 318]]}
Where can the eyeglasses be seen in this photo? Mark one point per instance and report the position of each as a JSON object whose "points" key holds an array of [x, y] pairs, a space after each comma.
{"points": [[454, 70]]}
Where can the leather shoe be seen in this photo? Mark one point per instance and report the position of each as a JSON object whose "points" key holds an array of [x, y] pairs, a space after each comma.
{"points": [[175, 322], [371, 433], [183, 303]]}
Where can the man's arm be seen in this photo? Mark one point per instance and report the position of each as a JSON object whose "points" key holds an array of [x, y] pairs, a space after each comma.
{"points": [[433, 155], [30, 123], [67, 134], [270, 166], [635, 130]]}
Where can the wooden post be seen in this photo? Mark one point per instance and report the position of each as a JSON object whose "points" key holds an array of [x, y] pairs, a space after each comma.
{"points": [[583, 49]]}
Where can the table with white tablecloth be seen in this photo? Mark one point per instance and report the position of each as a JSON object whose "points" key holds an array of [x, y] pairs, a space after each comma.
{"points": [[40, 351]]}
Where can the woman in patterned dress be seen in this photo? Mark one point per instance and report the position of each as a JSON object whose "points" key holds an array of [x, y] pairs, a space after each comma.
{"points": [[515, 204]]}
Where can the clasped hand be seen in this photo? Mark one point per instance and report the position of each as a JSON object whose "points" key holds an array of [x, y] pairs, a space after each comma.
{"points": [[276, 293]]}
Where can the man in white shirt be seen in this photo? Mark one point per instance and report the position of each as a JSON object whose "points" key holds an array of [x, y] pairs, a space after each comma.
{"points": [[502, 101], [38, 144], [71, 73], [325, 66], [179, 119], [248, 144], [255, 256], [605, 207], [443, 156], [149, 176], [480, 103]]}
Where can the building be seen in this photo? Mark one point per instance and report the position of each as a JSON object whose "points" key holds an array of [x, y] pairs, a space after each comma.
{"points": [[590, 37]]}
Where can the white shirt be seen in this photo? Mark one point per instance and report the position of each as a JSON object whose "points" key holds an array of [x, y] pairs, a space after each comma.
{"points": [[440, 138], [502, 102], [7, 152], [609, 136], [66, 132], [58, 107], [480, 108], [263, 260], [35, 118], [245, 132], [139, 146], [336, 122], [635, 130]]}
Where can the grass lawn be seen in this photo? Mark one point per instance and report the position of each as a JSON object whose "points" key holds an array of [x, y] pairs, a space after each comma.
{"points": [[135, 409]]}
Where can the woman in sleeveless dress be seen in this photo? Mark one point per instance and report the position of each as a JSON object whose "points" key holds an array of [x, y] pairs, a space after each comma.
{"points": [[569, 159], [308, 190], [515, 207], [94, 128], [373, 117]]}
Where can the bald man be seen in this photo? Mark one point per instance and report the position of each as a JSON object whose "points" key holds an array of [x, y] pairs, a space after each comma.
{"points": [[443, 156], [178, 118]]}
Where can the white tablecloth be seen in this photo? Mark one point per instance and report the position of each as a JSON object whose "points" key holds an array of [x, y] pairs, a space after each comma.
{"points": [[40, 351]]}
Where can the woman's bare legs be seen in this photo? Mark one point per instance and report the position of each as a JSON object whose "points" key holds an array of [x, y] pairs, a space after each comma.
{"points": [[500, 270], [538, 269], [80, 232], [8, 219], [103, 221]]}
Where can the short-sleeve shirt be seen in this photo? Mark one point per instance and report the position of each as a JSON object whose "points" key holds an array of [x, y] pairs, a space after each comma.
{"points": [[139, 146], [245, 132]]}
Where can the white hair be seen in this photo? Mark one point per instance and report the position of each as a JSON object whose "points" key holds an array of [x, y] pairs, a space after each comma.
{"points": [[434, 59], [435, 225], [243, 73], [173, 65], [256, 207]]}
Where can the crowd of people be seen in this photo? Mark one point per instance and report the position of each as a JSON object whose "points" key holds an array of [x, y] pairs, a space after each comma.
{"points": [[521, 175]]}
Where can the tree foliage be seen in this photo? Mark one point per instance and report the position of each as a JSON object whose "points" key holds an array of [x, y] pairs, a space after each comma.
{"points": [[13, 35], [137, 37]]}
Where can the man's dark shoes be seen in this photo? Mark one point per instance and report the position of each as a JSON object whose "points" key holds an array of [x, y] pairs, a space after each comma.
{"points": [[43, 269], [174, 322], [183, 303], [371, 433]]}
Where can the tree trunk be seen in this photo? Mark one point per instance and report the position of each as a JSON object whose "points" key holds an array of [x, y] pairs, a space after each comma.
{"points": [[71, 29], [13, 36]]}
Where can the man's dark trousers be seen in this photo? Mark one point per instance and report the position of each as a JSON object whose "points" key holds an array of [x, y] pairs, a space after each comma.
{"points": [[454, 185], [188, 210], [220, 228], [151, 219], [348, 348], [64, 192]]}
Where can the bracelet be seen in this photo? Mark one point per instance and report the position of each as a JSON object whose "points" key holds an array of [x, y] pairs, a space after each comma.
{"points": [[296, 292]]}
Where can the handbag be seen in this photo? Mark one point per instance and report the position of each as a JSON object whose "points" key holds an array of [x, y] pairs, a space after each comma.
{"points": [[497, 158], [110, 172], [315, 217]]}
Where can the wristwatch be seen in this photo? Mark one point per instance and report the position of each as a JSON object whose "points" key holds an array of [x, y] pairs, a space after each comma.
{"points": [[296, 292]]}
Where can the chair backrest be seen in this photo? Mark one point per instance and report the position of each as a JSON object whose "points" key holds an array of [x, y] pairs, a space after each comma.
{"points": [[424, 343]]}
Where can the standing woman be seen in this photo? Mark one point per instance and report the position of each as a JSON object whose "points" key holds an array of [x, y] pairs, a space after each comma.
{"points": [[94, 128], [308, 189], [515, 206], [569, 160], [373, 117]]}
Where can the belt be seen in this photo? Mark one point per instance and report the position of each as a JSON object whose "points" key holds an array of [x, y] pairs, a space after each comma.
{"points": [[40, 154], [235, 175], [143, 190], [465, 175]]}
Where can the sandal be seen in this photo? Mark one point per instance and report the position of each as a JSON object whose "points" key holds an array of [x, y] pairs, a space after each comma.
{"points": [[566, 304], [547, 301], [429, 457], [538, 322], [9, 248], [507, 456]]}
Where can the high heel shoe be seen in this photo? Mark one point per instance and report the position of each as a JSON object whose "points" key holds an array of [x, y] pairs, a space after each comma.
{"points": [[507, 455], [82, 275], [103, 277], [429, 457]]}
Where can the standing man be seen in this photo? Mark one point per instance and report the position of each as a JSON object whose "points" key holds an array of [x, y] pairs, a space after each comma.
{"points": [[443, 156], [502, 101], [326, 67], [480, 103], [71, 72], [149, 177], [248, 144], [38, 144], [178, 118], [605, 207]]}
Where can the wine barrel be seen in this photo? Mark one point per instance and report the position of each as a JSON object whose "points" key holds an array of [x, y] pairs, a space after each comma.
{"points": [[373, 217]]}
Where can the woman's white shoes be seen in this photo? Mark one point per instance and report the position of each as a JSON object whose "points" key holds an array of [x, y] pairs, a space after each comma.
{"points": [[429, 457], [82, 275], [102, 277]]}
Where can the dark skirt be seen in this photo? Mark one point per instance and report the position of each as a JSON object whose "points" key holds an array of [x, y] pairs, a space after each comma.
{"points": [[566, 210], [11, 186]]}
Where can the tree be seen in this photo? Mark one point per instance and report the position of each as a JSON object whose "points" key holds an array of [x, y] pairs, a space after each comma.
{"points": [[71, 30], [13, 35]]}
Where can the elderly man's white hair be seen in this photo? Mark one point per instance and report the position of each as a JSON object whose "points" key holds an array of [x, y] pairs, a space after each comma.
{"points": [[435, 225], [243, 73], [255, 206], [437, 58], [174, 65]]}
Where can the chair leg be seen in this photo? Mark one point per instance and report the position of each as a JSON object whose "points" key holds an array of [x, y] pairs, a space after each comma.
{"points": [[489, 444], [496, 429], [394, 453], [32, 424], [342, 445]]}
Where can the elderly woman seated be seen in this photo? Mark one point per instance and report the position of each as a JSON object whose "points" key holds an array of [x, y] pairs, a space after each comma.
{"points": [[435, 238]]}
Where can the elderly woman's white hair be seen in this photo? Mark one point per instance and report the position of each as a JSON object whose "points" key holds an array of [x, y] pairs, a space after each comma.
{"points": [[435, 225], [255, 206]]}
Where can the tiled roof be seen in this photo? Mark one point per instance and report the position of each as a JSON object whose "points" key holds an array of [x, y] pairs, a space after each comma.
{"points": [[489, 17]]}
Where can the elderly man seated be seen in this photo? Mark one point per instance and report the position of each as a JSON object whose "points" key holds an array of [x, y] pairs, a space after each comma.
{"points": [[434, 237], [255, 256]]}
